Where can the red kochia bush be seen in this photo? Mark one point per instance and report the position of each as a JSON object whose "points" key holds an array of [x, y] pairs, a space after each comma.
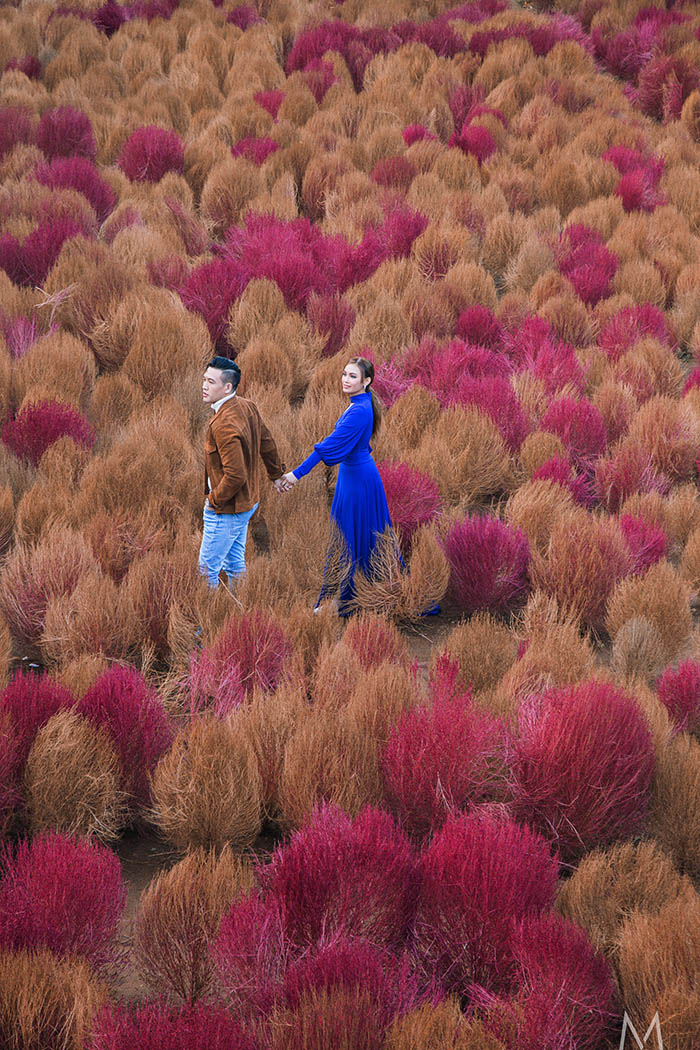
{"points": [[257, 643], [580, 426], [251, 954], [477, 325], [375, 641], [587, 263], [269, 100], [631, 324], [66, 132], [479, 875], [338, 875], [63, 894], [209, 291], [133, 714], [413, 499], [29, 65], [647, 544], [254, 149], [30, 701], [29, 263], [679, 691], [149, 153], [319, 77], [244, 17], [474, 139], [582, 761], [560, 470], [40, 423], [158, 1026], [80, 174], [333, 316], [563, 990], [630, 469], [441, 758], [488, 564], [16, 126]]}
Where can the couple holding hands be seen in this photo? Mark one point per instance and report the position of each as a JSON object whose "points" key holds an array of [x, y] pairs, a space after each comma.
{"points": [[238, 446]]}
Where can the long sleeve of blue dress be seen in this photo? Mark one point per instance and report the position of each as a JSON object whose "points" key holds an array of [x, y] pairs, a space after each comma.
{"points": [[339, 443]]}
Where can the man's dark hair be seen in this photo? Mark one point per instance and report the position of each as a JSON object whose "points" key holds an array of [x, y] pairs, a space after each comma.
{"points": [[230, 372]]}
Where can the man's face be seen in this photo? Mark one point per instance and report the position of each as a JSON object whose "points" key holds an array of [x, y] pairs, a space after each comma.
{"points": [[213, 389]]}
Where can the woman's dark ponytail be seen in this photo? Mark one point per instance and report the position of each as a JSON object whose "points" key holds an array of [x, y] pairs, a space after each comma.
{"points": [[367, 369]]}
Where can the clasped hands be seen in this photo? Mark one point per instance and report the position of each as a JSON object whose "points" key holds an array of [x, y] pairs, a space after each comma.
{"points": [[286, 483]]}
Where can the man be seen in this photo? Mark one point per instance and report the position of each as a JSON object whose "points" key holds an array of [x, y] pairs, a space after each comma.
{"points": [[236, 446]]}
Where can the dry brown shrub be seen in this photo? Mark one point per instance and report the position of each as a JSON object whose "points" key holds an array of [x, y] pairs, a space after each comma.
{"points": [[537, 449], [202, 155], [671, 434], [612, 884], [617, 405], [63, 363], [268, 721], [79, 49], [404, 595], [603, 214], [585, 558], [440, 247], [5, 652], [72, 779], [383, 326], [261, 305], [92, 620], [533, 259], [429, 308], [334, 754], [331, 686], [118, 479], [682, 186], [227, 192], [312, 631], [178, 917], [657, 961], [85, 285], [321, 177], [504, 236], [484, 648], [166, 342], [638, 649], [207, 790], [46, 1001], [7, 518], [113, 401], [562, 182], [650, 506], [661, 597], [466, 455], [689, 567], [535, 508], [642, 280], [45, 505], [469, 284], [649, 369], [412, 415], [458, 171], [682, 515], [569, 319], [441, 1027], [80, 674]]}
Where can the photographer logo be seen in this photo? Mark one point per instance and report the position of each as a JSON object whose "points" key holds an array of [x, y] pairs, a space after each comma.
{"points": [[630, 1039]]}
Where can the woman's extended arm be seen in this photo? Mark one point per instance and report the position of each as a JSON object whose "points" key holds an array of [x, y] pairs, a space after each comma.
{"points": [[334, 448]]}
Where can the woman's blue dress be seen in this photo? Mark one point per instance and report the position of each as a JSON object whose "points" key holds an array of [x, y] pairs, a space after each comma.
{"points": [[359, 507]]}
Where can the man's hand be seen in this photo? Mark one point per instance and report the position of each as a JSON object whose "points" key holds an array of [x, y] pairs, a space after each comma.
{"points": [[287, 482]]}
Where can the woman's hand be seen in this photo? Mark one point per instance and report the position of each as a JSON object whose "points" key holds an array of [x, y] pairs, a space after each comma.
{"points": [[287, 482]]}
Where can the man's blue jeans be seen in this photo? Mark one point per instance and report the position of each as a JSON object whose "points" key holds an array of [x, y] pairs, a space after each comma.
{"points": [[223, 544]]}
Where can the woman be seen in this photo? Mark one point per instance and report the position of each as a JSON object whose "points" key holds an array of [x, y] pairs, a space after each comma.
{"points": [[359, 508]]}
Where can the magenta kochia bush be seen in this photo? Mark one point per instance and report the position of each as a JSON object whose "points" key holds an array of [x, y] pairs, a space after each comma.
{"points": [[133, 714], [630, 469], [355, 965], [31, 700], [332, 316], [149, 153], [477, 325], [627, 326], [209, 291], [80, 174], [29, 263], [257, 643], [647, 543], [443, 757], [16, 126], [475, 139], [664, 84], [256, 150], [638, 185], [251, 954], [63, 894], [560, 470], [40, 423], [587, 263], [338, 875], [269, 100], [480, 874], [159, 1026], [488, 564], [679, 691], [580, 426], [244, 16], [66, 132], [319, 77], [413, 499], [583, 760], [563, 995]]}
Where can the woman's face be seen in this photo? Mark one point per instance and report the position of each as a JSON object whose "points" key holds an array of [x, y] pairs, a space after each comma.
{"points": [[353, 383]]}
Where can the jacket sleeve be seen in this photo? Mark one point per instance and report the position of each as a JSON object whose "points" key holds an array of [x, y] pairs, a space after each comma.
{"points": [[233, 465], [270, 456], [337, 445]]}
